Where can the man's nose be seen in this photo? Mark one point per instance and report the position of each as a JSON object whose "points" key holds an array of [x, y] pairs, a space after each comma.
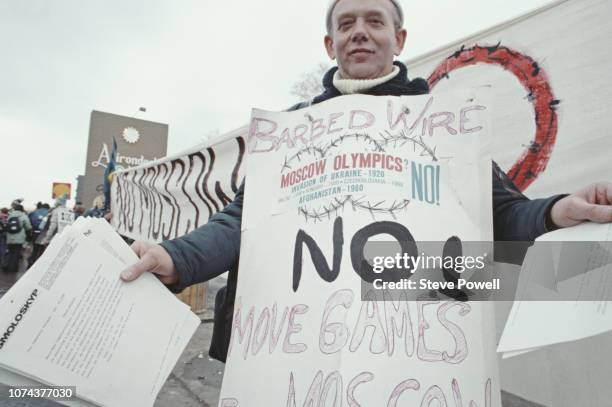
{"points": [[360, 31]]}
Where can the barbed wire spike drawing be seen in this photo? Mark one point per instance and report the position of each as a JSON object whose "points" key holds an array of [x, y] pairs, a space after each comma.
{"points": [[286, 165], [417, 142], [356, 204]]}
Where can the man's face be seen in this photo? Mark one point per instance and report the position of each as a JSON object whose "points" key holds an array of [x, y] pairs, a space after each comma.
{"points": [[364, 38]]}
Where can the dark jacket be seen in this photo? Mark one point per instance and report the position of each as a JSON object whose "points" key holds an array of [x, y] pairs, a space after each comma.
{"points": [[214, 248], [37, 216]]}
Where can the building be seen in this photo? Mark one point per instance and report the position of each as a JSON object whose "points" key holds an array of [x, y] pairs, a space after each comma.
{"points": [[138, 142]]}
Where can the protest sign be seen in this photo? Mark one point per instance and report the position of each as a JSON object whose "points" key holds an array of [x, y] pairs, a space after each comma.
{"points": [[322, 182], [64, 218]]}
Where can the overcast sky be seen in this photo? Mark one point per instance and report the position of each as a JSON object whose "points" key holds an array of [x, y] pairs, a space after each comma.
{"points": [[198, 65]]}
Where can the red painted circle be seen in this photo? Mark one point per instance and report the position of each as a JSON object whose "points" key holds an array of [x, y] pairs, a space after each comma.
{"points": [[534, 159]]}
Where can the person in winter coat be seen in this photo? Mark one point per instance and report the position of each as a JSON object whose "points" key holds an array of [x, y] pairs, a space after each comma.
{"points": [[363, 36], [97, 208], [37, 215], [78, 210], [39, 219], [3, 220], [17, 227], [59, 217]]}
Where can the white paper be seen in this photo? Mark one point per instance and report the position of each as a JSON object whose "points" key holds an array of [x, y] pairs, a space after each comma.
{"points": [[533, 324], [116, 342]]}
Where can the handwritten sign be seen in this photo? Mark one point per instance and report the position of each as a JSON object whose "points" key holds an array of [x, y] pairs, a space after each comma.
{"points": [[64, 218], [323, 181]]}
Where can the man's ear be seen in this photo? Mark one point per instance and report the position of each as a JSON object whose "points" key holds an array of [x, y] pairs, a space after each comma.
{"points": [[400, 40], [329, 46]]}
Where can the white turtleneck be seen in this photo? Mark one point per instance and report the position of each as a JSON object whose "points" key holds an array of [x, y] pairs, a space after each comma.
{"points": [[350, 86]]}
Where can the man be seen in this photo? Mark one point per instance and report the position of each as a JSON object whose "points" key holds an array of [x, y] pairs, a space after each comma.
{"points": [[363, 36], [58, 219], [78, 209], [97, 208], [36, 219], [3, 226], [37, 215], [17, 226]]}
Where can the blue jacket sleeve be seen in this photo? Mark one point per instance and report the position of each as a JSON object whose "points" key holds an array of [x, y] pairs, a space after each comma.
{"points": [[516, 217], [211, 249]]}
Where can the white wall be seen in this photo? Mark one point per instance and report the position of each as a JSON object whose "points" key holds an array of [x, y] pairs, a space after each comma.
{"points": [[570, 41]]}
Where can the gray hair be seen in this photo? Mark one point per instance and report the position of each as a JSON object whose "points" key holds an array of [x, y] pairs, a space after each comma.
{"points": [[398, 18]]}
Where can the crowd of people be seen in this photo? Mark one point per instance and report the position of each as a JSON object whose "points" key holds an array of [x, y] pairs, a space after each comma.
{"points": [[26, 234]]}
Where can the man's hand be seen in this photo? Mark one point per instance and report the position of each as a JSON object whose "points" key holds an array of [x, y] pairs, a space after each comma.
{"points": [[154, 259], [593, 203]]}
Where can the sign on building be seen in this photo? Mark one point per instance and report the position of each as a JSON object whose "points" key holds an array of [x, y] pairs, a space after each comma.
{"points": [[59, 189], [138, 142]]}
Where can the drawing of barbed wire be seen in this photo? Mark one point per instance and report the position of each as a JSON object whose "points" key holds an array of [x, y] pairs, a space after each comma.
{"points": [[402, 138], [317, 151], [321, 152], [378, 145], [339, 204]]}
